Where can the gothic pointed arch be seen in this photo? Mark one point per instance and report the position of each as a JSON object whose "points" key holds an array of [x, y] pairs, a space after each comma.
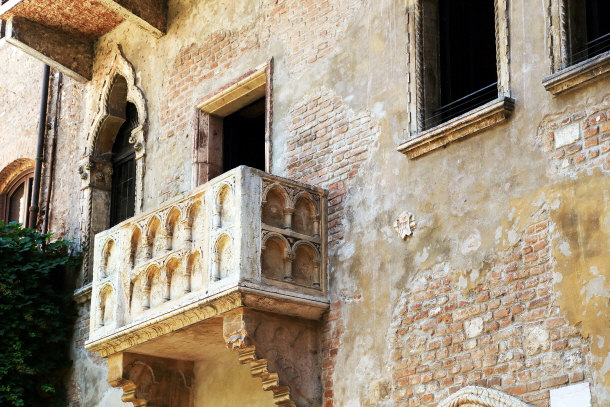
{"points": [[116, 95], [475, 396]]}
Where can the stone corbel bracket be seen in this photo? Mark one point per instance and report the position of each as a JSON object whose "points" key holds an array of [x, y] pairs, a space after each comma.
{"points": [[282, 352], [151, 381]]}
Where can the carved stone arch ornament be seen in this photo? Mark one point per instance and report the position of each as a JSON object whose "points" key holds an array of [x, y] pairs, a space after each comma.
{"points": [[475, 396], [95, 169]]}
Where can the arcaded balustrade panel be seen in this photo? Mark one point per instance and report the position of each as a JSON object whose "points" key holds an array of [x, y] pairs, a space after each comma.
{"points": [[243, 230], [293, 249]]}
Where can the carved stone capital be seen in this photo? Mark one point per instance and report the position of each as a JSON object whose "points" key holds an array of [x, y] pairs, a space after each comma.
{"points": [[151, 381], [281, 351]]}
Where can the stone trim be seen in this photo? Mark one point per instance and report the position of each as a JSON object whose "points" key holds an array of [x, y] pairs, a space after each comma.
{"points": [[488, 115], [92, 169], [576, 75], [565, 77], [281, 352], [207, 140], [475, 396], [416, 135]]}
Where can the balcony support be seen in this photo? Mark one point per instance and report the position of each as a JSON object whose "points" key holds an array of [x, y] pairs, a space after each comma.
{"points": [[282, 352], [60, 50], [150, 15], [151, 381]]}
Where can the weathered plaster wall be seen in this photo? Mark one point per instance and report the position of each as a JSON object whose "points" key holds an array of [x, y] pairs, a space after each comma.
{"points": [[20, 83], [340, 103], [221, 381]]}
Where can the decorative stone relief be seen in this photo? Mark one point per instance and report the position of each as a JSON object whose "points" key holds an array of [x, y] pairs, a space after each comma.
{"points": [[151, 381], [291, 219], [474, 396], [281, 351], [189, 254], [404, 225]]}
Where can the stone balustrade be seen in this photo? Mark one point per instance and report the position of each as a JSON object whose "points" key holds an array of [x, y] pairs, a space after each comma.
{"points": [[244, 239]]}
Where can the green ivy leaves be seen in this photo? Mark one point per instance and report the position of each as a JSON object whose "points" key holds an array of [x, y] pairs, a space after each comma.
{"points": [[36, 316]]}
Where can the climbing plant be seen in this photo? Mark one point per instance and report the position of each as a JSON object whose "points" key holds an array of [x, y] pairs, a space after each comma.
{"points": [[36, 316]]}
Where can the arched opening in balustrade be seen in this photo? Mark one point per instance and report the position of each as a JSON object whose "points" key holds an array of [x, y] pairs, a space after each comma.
{"points": [[275, 257], [276, 203], [306, 265], [174, 284], [195, 272], [109, 258], [223, 257], [158, 286], [154, 237], [106, 306], [136, 247], [196, 216], [173, 229], [225, 205], [305, 216]]}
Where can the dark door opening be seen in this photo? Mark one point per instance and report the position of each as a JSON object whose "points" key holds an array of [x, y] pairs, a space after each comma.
{"points": [[243, 140], [467, 56], [123, 194]]}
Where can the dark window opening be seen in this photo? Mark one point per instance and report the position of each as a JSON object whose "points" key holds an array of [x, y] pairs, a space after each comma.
{"points": [[123, 194], [243, 141], [18, 197], [2, 28], [589, 29], [460, 55]]}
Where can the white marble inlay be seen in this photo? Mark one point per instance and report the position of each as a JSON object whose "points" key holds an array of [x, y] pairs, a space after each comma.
{"points": [[571, 396], [567, 135]]}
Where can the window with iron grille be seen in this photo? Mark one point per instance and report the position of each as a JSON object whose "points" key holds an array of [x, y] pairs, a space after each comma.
{"points": [[459, 76], [588, 29], [123, 194], [459, 58]]}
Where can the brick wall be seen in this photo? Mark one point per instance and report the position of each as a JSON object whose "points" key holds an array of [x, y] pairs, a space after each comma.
{"points": [[506, 333], [327, 144], [331, 342], [309, 29], [590, 149]]}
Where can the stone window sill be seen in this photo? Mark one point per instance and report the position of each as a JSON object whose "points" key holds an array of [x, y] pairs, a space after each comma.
{"points": [[576, 75], [483, 117]]}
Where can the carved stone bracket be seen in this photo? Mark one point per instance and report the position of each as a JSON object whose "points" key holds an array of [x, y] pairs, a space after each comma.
{"points": [[281, 351], [151, 381]]}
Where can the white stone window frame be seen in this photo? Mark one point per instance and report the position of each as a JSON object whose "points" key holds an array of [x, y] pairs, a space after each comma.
{"points": [[93, 171], [419, 140], [565, 76], [210, 111]]}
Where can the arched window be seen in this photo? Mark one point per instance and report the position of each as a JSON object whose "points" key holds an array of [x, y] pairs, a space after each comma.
{"points": [[123, 195], [16, 197]]}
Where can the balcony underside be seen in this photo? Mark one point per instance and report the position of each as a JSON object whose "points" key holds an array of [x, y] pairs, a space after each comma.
{"points": [[61, 33], [281, 351]]}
